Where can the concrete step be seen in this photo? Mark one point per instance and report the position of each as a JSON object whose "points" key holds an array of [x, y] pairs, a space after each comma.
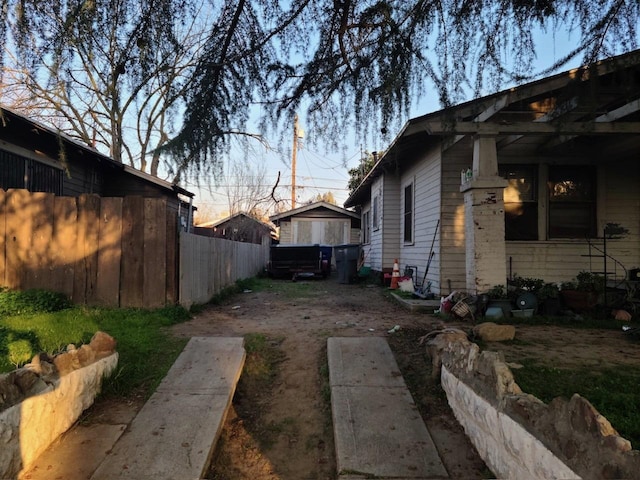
{"points": [[378, 430], [174, 434]]}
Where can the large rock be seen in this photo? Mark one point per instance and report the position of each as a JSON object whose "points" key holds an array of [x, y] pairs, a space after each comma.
{"points": [[10, 393], [439, 341], [103, 344], [492, 332]]}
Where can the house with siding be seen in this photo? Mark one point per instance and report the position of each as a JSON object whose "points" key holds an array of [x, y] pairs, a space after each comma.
{"points": [[40, 159], [522, 182], [320, 222], [240, 227]]}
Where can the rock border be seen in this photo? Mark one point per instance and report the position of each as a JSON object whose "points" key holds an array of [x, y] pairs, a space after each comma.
{"points": [[44, 399], [515, 433]]}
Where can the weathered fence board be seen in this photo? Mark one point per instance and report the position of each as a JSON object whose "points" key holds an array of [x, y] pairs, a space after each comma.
{"points": [[115, 251], [109, 252], [155, 246], [3, 240], [38, 275], [63, 244], [86, 267], [18, 235], [132, 273], [209, 264], [171, 295]]}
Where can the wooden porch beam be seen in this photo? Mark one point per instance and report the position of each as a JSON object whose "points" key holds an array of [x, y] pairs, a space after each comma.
{"points": [[611, 116], [531, 128]]}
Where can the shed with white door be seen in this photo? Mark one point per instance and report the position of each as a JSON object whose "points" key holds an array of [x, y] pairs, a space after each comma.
{"points": [[318, 223]]}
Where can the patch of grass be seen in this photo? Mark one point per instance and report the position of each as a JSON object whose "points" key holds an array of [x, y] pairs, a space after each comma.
{"points": [[16, 302], [261, 368], [271, 431], [263, 357], [242, 285], [613, 392], [146, 351], [586, 322], [286, 288]]}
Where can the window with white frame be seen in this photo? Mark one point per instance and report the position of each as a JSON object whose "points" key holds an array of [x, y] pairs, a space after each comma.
{"points": [[408, 214]]}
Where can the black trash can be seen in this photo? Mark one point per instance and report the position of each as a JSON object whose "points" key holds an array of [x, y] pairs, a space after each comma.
{"points": [[347, 262]]}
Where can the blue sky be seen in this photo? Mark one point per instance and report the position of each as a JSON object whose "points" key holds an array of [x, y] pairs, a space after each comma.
{"points": [[319, 172]]}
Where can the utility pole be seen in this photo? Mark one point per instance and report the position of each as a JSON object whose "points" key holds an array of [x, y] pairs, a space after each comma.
{"points": [[293, 162]]}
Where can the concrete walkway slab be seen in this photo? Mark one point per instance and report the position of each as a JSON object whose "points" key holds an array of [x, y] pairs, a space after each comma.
{"points": [[76, 454], [174, 433], [356, 362], [378, 430]]}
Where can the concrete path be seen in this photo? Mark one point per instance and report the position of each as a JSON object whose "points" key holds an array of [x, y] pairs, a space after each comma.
{"points": [[171, 437], [174, 433], [378, 430]]}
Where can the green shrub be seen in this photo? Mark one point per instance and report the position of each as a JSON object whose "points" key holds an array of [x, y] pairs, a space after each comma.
{"points": [[15, 302], [20, 352]]}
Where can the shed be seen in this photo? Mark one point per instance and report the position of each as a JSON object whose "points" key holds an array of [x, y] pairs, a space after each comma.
{"points": [[240, 227], [318, 223]]}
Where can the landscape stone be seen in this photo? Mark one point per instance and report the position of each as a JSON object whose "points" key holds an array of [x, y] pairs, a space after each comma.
{"points": [[10, 394], [86, 355], [103, 344], [25, 379], [66, 363], [492, 332]]}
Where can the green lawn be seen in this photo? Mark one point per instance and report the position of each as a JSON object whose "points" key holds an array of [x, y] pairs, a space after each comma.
{"points": [[146, 349]]}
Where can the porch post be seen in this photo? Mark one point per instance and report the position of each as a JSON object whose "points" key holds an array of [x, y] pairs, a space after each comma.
{"points": [[484, 219]]}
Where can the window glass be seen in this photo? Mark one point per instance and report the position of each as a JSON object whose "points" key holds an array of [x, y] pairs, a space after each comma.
{"points": [[408, 213], [375, 213], [520, 202], [572, 202], [366, 226]]}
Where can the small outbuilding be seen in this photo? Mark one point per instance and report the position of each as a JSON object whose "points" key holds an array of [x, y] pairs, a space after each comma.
{"points": [[318, 223]]}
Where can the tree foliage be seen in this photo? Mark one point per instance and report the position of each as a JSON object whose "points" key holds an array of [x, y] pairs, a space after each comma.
{"points": [[357, 174], [110, 73], [351, 64]]}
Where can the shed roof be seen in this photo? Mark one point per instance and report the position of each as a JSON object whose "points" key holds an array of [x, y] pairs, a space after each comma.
{"points": [[313, 206], [217, 223]]}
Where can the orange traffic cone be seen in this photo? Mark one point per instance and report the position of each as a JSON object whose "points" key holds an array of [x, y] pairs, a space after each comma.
{"points": [[395, 276]]}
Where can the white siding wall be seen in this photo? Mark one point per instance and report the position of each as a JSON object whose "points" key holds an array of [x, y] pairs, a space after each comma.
{"points": [[425, 176], [561, 260], [390, 207], [452, 218], [373, 251]]}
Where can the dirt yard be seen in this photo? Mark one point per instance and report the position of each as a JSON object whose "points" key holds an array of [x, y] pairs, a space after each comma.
{"points": [[294, 413], [284, 432]]}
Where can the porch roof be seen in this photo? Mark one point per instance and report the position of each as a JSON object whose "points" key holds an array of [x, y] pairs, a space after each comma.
{"points": [[594, 107]]}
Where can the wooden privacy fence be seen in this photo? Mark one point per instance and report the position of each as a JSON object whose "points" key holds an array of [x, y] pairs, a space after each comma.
{"points": [[98, 251], [207, 265]]}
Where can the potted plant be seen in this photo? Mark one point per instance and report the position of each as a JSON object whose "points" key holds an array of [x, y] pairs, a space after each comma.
{"points": [[524, 293], [582, 294], [498, 298], [549, 299]]}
